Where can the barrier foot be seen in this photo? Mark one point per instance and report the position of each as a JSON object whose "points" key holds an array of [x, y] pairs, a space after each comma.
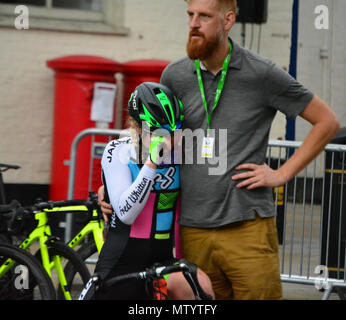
{"points": [[328, 292]]}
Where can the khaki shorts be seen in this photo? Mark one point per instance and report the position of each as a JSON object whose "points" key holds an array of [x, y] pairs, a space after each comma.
{"points": [[241, 259]]}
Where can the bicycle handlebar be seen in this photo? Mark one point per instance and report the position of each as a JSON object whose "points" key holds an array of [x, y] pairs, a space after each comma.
{"points": [[63, 203], [189, 271], [15, 206], [91, 202], [14, 212]]}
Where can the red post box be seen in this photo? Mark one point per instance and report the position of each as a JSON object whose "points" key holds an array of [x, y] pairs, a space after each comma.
{"points": [[75, 77], [137, 71]]}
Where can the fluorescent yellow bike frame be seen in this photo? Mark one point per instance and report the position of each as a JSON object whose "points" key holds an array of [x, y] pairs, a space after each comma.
{"points": [[42, 233], [94, 226]]}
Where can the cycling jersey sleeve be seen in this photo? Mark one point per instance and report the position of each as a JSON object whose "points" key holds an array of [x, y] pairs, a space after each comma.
{"points": [[126, 197]]}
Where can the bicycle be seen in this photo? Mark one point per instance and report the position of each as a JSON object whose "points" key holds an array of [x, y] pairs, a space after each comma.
{"points": [[94, 219], [53, 253], [22, 277], [94, 226], [151, 275]]}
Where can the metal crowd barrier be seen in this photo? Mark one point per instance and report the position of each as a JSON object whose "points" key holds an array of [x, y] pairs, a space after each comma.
{"points": [[311, 219], [311, 214], [93, 132]]}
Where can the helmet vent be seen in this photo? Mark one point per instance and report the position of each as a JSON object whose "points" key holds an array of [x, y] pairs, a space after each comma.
{"points": [[157, 91], [154, 106]]}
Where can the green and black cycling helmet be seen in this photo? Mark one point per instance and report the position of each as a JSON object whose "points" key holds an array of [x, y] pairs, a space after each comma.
{"points": [[156, 105]]}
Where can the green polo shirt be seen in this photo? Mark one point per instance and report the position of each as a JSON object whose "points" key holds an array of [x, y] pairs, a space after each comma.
{"points": [[254, 90]]}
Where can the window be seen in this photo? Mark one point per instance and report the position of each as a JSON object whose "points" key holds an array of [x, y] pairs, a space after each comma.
{"points": [[90, 5], [93, 16]]}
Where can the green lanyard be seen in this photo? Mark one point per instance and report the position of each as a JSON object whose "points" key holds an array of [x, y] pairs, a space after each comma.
{"points": [[219, 86]]}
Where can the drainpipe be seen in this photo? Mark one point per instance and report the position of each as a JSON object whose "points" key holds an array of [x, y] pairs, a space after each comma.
{"points": [[291, 124]]}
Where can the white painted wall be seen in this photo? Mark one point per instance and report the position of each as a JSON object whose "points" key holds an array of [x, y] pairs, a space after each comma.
{"points": [[322, 57], [322, 61]]}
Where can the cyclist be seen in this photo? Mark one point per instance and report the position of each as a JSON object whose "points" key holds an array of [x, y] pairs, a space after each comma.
{"points": [[144, 197]]}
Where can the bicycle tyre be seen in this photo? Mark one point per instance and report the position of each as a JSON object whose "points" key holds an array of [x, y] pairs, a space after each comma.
{"points": [[38, 277], [74, 285], [85, 251]]}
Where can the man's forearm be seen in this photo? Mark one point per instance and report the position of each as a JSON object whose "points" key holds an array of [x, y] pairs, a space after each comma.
{"points": [[320, 134], [325, 126]]}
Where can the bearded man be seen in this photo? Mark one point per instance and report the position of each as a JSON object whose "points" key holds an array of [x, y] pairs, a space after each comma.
{"points": [[228, 220]]}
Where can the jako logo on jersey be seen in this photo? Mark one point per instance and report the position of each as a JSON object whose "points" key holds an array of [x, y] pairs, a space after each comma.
{"points": [[113, 144]]}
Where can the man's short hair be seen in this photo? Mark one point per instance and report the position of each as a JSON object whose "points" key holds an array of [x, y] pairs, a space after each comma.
{"points": [[228, 5], [225, 4]]}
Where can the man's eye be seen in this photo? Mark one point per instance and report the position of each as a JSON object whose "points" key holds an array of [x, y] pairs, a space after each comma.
{"points": [[204, 17]]}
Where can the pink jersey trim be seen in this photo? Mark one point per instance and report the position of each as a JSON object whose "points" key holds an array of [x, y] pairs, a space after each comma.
{"points": [[141, 228]]}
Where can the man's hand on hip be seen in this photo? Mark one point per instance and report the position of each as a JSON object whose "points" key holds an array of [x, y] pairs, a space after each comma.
{"points": [[258, 176]]}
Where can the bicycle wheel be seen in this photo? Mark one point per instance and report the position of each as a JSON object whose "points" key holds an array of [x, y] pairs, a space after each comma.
{"points": [[68, 256], [26, 279], [86, 251]]}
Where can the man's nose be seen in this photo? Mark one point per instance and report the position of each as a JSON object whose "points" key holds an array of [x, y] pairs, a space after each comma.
{"points": [[194, 22]]}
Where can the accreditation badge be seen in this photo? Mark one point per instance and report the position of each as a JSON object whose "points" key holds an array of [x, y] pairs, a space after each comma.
{"points": [[208, 147]]}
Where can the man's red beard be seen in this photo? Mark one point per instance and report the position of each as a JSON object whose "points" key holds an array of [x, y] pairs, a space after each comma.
{"points": [[200, 48]]}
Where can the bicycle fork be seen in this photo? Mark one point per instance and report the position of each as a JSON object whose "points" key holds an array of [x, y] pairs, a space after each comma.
{"points": [[46, 242], [54, 264]]}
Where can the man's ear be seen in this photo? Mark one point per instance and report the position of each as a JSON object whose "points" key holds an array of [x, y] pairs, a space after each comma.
{"points": [[229, 20]]}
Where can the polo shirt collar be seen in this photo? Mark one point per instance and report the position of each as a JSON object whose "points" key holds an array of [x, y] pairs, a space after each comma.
{"points": [[236, 56]]}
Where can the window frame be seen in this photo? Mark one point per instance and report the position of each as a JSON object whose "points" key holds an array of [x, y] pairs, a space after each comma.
{"points": [[109, 21]]}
